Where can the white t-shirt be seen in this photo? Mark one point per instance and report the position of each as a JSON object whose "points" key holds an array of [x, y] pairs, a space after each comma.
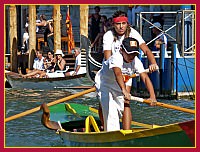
{"points": [[109, 44], [78, 62], [106, 77], [38, 64]]}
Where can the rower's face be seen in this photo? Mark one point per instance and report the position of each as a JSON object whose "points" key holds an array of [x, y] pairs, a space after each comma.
{"points": [[128, 58], [120, 27], [76, 53]]}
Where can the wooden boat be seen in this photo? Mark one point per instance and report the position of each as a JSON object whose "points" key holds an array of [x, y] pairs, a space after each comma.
{"points": [[79, 125], [86, 79], [16, 81]]}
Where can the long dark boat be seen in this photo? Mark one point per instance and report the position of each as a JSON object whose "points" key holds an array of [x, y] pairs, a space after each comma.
{"points": [[17, 81], [79, 125]]}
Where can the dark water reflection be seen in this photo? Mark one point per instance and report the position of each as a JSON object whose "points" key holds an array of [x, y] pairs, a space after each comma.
{"points": [[27, 131]]}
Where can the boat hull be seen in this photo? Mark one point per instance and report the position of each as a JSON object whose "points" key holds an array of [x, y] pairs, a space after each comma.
{"points": [[45, 83], [164, 136]]}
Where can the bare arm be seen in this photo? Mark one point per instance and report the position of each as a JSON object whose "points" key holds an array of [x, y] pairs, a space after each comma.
{"points": [[76, 70], [40, 24], [149, 86], [61, 64], [50, 28], [107, 54], [150, 57]]}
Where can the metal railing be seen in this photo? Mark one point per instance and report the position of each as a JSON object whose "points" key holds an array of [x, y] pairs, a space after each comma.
{"points": [[184, 29]]}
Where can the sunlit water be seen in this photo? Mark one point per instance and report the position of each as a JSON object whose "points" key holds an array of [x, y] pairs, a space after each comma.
{"points": [[28, 131]]}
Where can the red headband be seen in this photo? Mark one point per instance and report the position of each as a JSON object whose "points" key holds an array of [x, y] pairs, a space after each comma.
{"points": [[120, 19]]}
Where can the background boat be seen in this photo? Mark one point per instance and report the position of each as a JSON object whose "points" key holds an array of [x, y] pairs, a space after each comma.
{"points": [[16, 81]]}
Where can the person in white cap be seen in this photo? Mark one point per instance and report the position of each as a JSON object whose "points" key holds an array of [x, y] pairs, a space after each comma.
{"points": [[111, 87], [60, 62], [160, 37]]}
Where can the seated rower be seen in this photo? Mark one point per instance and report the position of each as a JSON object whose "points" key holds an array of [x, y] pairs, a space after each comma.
{"points": [[38, 66], [77, 68]]}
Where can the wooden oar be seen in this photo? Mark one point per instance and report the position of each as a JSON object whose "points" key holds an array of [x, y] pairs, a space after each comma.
{"points": [[164, 105], [74, 87], [50, 104], [127, 77]]}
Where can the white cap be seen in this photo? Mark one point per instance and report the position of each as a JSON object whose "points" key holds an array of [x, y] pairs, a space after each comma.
{"points": [[59, 52], [156, 24]]}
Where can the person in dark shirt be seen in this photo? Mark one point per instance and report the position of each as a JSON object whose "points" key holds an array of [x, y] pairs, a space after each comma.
{"points": [[95, 21]]}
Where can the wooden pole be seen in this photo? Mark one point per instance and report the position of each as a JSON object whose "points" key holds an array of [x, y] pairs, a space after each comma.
{"points": [[56, 27], [84, 20], [163, 105], [13, 37], [32, 35]]}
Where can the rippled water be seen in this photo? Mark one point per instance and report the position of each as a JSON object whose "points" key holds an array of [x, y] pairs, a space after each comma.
{"points": [[27, 131]]}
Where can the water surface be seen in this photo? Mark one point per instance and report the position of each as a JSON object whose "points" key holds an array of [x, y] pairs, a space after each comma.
{"points": [[28, 131]]}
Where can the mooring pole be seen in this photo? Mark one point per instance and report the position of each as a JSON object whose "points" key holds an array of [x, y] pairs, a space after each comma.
{"points": [[161, 65]]}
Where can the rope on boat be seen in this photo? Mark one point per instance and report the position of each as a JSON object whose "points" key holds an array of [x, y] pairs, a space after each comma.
{"points": [[185, 84], [94, 63], [189, 77], [92, 60]]}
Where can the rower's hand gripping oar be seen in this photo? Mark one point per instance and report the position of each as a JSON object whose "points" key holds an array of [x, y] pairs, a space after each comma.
{"points": [[163, 105], [59, 101], [127, 77]]}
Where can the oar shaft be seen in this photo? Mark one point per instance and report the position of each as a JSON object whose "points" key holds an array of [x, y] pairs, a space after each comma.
{"points": [[22, 114], [164, 105], [172, 107], [146, 70], [50, 104], [71, 96], [76, 87]]}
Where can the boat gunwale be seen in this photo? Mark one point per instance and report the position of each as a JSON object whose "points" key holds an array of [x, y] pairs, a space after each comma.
{"points": [[119, 135], [13, 78]]}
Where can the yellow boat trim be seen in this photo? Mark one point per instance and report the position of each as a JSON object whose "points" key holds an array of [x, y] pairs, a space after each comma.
{"points": [[71, 110], [93, 110], [91, 121], [113, 136]]}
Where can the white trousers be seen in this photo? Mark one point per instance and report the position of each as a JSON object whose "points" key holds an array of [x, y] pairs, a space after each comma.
{"points": [[112, 108]]}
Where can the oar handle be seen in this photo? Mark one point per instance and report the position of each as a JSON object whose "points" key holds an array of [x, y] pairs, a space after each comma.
{"points": [[163, 105], [146, 70]]}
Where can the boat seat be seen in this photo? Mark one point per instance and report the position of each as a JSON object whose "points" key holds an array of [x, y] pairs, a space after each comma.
{"points": [[91, 121], [62, 71], [57, 73]]}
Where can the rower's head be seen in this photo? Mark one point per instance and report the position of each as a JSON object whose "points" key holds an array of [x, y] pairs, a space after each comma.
{"points": [[38, 54], [129, 49], [97, 9], [50, 54], [120, 22], [77, 51]]}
